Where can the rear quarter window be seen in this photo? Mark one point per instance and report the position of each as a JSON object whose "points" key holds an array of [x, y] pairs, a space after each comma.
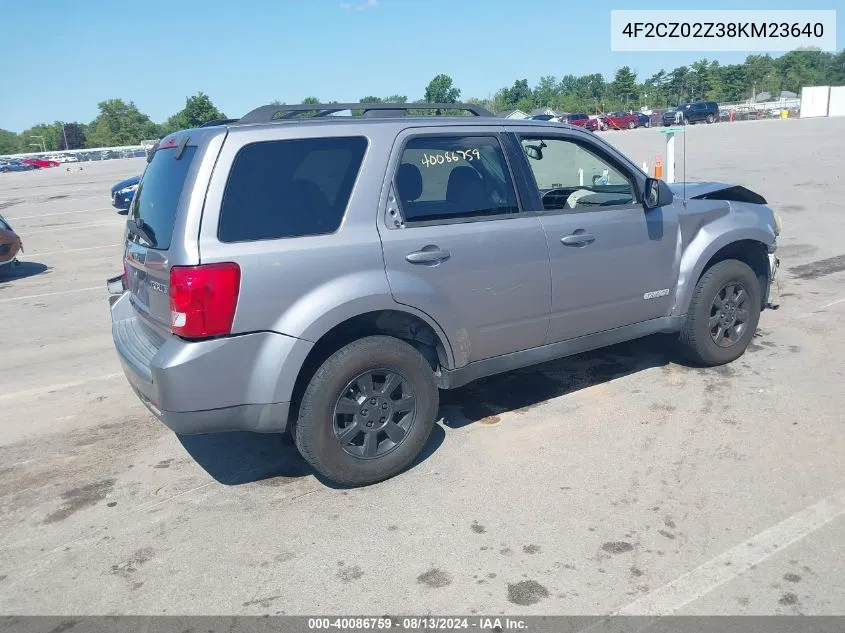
{"points": [[289, 188]]}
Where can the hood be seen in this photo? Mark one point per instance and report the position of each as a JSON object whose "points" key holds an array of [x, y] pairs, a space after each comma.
{"points": [[716, 191], [134, 180]]}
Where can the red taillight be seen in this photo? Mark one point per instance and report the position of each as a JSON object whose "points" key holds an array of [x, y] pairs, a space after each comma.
{"points": [[203, 299]]}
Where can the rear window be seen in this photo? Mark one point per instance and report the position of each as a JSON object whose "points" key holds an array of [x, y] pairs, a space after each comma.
{"points": [[290, 188], [158, 193]]}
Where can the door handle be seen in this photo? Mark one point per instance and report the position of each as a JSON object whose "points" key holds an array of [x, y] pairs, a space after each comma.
{"points": [[426, 257], [578, 239]]}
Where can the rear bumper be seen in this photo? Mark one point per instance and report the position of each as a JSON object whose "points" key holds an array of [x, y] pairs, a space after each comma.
{"points": [[237, 383], [257, 418]]}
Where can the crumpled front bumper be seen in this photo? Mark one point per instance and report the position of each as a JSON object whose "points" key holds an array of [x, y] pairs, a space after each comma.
{"points": [[774, 265]]}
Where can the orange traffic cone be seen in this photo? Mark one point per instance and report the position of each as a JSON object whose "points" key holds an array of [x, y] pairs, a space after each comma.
{"points": [[658, 167]]}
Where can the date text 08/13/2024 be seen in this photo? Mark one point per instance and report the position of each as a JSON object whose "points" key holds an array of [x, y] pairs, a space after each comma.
{"points": [[427, 623]]}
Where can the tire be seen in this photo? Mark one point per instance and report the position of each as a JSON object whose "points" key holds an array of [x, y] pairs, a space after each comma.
{"points": [[710, 118], [697, 336], [319, 426], [631, 125]]}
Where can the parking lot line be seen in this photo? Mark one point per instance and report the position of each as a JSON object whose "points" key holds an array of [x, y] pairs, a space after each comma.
{"points": [[37, 391], [75, 250], [824, 307], [50, 294], [44, 215], [706, 577], [68, 227]]}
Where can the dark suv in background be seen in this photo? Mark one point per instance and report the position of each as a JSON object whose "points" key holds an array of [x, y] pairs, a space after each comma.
{"points": [[696, 112]]}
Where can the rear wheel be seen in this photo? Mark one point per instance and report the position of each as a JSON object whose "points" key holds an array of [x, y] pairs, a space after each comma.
{"points": [[723, 314], [367, 412], [631, 125], [710, 118]]}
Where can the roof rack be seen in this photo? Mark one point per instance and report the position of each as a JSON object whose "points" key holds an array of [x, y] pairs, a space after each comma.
{"points": [[271, 113], [218, 122]]}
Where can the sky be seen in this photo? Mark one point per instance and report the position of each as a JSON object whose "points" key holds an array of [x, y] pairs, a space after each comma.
{"points": [[61, 58]]}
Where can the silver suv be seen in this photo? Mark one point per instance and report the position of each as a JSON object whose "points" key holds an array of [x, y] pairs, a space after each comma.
{"points": [[326, 269]]}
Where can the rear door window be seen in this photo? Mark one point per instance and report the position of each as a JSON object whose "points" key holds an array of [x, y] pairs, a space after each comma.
{"points": [[158, 193], [454, 177], [289, 188]]}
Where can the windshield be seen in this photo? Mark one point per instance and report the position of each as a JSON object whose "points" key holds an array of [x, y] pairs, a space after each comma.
{"points": [[158, 195]]}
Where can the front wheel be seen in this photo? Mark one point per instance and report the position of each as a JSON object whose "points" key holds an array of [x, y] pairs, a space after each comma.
{"points": [[710, 118], [367, 412], [723, 314], [631, 125]]}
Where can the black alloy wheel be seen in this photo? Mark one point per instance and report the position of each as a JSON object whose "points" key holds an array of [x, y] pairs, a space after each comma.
{"points": [[374, 414]]}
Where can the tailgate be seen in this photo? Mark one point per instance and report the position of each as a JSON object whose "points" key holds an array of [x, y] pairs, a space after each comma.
{"points": [[150, 227]]}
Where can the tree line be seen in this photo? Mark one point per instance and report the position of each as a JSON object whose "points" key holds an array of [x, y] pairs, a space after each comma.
{"points": [[118, 123], [121, 123]]}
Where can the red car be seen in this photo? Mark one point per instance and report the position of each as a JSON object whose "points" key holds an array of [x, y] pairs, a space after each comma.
{"points": [[581, 120], [10, 244], [619, 121], [40, 162]]}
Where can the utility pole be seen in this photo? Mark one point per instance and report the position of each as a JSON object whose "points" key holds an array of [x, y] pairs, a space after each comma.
{"points": [[41, 139], [64, 134]]}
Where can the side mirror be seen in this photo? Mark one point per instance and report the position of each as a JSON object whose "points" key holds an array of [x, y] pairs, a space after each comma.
{"points": [[534, 151], [657, 194]]}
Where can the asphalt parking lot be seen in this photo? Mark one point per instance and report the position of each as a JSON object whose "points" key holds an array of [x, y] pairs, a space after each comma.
{"points": [[613, 482]]}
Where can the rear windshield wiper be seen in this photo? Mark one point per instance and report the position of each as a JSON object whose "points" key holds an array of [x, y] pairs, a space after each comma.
{"points": [[138, 227]]}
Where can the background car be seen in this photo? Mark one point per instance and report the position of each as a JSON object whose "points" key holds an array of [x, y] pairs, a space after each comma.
{"points": [[619, 121], [547, 117], [123, 192], [10, 244], [582, 120], [645, 120], [696, 112], [16, 165], [40, 163]]}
